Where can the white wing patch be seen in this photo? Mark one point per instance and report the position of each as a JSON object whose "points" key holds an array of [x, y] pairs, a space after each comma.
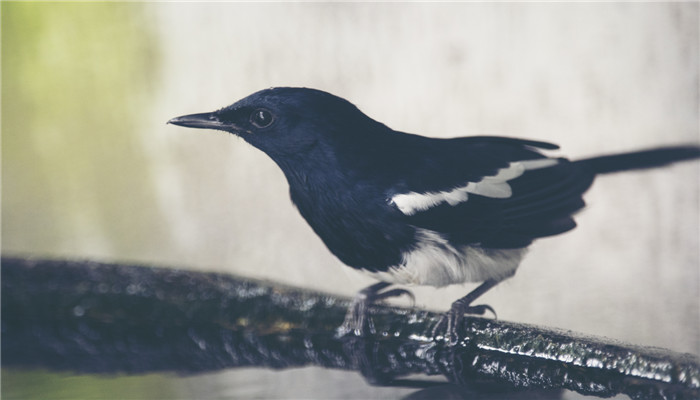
{"points": [[494, 186], [435, 262]]}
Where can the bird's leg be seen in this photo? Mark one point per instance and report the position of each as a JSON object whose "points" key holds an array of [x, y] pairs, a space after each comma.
{"points": [[357, 319], [453, 318]]}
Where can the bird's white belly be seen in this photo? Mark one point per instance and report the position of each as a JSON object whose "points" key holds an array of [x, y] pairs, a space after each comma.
{"points": [[436, 262]]}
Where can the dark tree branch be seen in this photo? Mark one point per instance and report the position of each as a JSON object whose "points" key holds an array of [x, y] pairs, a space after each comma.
{"points": [[106, 318]]}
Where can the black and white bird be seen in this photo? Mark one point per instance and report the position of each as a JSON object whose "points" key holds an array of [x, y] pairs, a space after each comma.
{"points": [[415, 210]]}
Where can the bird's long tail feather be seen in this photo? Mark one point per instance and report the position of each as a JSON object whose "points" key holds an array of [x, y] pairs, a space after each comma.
{"points": [[641, 159]]}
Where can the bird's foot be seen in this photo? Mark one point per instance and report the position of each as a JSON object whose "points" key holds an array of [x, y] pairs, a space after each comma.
{"points": [[357, 319], [450, 325]]}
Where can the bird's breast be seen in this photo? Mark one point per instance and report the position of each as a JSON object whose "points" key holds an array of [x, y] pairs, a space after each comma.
{"points": [[357, 226]]}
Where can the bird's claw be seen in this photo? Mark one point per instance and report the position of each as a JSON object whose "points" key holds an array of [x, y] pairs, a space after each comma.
{"points": [[357, 319], [452, 320]]}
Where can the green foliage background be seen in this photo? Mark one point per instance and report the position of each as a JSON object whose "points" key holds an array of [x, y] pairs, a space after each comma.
{"points": [[74, 75]]}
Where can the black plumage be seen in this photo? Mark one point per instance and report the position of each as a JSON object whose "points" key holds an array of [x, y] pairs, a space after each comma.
{"points": [[415, 209]]}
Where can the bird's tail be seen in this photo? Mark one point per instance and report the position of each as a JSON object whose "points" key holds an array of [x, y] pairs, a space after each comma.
{"points": [[640, 159]]}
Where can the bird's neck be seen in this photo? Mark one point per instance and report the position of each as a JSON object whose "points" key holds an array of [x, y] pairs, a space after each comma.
{"points": [[342, 163], [315, 169]]}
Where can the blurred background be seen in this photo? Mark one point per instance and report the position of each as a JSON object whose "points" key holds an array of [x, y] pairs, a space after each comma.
{"points": [[91, 171]]}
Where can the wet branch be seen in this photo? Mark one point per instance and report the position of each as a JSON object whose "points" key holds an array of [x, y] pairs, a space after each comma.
{"points": [[92, 317]]}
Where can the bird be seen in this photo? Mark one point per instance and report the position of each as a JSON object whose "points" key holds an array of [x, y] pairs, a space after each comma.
{"points": [[414, 210]]}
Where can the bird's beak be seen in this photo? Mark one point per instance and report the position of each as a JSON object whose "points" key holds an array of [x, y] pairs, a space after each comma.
{"points": [[202, 121]]}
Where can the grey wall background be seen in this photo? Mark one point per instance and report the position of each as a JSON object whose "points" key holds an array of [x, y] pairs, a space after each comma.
{"points": [[594, 78]]}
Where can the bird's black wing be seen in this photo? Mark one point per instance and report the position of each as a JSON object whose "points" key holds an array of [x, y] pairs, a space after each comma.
{"points": [[495, 192]]}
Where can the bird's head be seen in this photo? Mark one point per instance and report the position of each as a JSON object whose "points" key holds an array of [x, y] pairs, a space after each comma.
{"points": [[285, 122]]}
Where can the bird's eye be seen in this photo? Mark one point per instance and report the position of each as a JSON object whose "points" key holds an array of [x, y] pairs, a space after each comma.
{"points": [[261, 118]]}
